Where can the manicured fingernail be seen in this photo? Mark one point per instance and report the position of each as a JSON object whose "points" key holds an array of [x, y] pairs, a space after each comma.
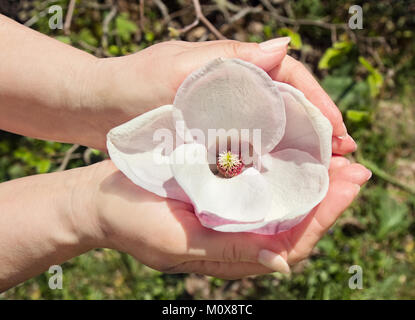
{"points": [[274, 44], [369, 175], [344, 135], [273, 261]]}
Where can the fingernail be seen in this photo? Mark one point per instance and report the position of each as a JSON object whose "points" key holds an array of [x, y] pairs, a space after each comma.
{"points": [[369, 175], [344, 135], [274, 44], [273, 261], [357, 188]]}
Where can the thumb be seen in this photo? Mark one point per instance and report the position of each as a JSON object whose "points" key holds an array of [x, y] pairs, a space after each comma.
{"points": [[265, 55]]}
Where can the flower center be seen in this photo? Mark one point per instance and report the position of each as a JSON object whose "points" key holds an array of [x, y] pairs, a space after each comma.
{"points": [[229, 164]]}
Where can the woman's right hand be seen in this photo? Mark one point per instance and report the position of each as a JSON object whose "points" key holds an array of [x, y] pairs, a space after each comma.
{"points": [[165, 234]]}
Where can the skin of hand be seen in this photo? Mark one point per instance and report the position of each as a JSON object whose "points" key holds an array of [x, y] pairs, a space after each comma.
{"points": [[50, 90], [165, 234], [159, 70], [74, 211], [107, 210]]}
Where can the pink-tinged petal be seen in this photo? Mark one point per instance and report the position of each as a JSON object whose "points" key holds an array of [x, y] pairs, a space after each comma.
{"points": [[298, 182], [307, 129], [232, 94], [141, 149], [244, 198]]}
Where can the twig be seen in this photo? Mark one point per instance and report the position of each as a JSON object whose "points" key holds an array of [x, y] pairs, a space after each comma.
{"points": [[163, 9], [189, 27], [243, 12], [94, 5], [179, 13], [35, 18], [206, 22], [231, 6], [318, 23], [201, 17], [142, 15], [68, 18], [87, 155], [298, 22], [87, 46], [333, 34], [384, 175], [44, 8], [98, 52], [105, 26], [67, 157]]}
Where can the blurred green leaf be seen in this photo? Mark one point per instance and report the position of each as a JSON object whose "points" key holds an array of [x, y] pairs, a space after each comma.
{"points": [[374, 79], [149, 36], [16, 171], [296, 42], [356, 115], [335, 55], [366, 64], [43, 166], [63, 39], [392, 217], [114, 50], [96, 152], [125, 28], [267, 31], [86, 36], [173, 32]]}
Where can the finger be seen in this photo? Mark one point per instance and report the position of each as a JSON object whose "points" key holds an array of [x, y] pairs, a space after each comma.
{"points": [[222, 270], [246, 247], [296, 74], [337, 162], [351, 177], [236, 248], [344, 145], [355, 173], [345, 182], [265, 55], [305, 235]]}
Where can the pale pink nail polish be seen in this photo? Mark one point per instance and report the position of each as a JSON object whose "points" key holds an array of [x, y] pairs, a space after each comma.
{"points": [[274, 44], [273, 261]]}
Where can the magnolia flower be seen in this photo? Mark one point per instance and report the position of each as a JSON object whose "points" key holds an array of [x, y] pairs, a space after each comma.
{"points": [[267, 195]]}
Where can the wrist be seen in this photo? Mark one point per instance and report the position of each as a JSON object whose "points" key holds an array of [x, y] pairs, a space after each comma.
{"points": [[119, 89], [82, 186], [103, 101]]}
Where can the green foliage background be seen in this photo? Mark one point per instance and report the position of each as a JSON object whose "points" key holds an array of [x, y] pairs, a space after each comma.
{"points": [[370, 77]]}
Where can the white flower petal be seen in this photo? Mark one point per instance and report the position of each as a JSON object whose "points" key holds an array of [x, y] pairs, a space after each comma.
{"points": [[298, 183], [244, 198], [232, 94], [307, 129], [143, 160]]}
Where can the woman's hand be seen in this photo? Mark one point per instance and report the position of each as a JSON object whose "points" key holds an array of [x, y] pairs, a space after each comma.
{"points": [[124, 87], [78, 98], [165, 234]]}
